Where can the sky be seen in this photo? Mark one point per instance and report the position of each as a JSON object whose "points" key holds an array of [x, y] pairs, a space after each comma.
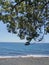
{"points": [[5, 36]]}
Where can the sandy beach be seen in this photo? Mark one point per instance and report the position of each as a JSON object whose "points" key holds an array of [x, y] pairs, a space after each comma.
{"points": [[25, 61]]}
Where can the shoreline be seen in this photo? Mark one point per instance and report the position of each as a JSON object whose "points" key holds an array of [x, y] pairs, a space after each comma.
{"points": [[26, 56]]}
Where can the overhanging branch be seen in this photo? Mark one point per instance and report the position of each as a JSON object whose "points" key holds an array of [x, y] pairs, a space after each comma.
{"points": [[18, 3], [24, 0]]}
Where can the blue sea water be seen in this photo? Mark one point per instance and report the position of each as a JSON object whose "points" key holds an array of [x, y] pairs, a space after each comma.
{"points": [[15, 49]]}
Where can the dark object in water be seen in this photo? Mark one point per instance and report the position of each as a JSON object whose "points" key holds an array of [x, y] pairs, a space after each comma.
{"points": [[27, 43]]}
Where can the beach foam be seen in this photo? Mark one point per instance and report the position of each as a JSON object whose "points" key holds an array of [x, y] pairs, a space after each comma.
{"points": [[25, 56]]}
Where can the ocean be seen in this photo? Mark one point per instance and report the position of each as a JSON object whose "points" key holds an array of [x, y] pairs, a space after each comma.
{"points": [[20, 49]]}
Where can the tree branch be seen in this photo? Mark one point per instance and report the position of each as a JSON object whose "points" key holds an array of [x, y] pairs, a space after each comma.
{"points": [[18, 3], [24, 0]]}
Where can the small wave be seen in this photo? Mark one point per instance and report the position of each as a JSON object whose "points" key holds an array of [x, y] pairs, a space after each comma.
{"points": [[24, 56]]}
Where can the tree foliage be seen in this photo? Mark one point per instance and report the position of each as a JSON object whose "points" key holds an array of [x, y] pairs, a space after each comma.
{"points": [[27, 18]]}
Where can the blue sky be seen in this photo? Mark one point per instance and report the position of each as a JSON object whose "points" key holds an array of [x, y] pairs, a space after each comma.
{"points": [[9, 37]]}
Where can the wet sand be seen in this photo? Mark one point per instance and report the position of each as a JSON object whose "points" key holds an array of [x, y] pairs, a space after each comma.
{"points": [[25, 61]]}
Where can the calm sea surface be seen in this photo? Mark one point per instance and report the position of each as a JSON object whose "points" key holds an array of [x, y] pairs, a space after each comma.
{"points": [[14, 49]]}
